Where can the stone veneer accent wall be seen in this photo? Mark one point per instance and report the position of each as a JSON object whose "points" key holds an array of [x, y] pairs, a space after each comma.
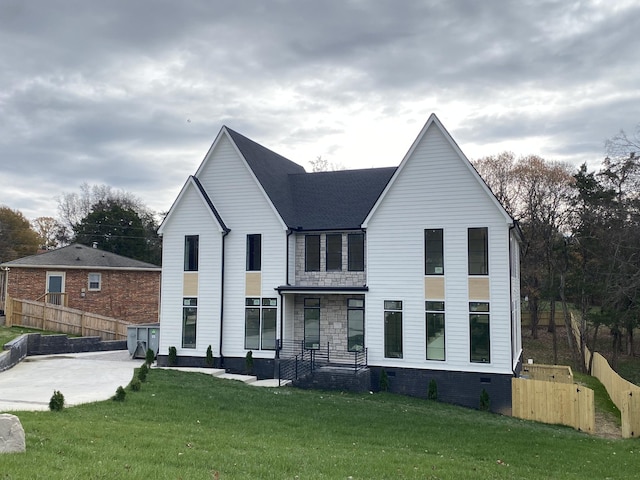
{"points": [[333, 320], [132, 296], [344, 278]]}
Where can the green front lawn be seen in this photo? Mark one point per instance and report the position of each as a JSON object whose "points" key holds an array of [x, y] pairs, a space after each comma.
{"points": [[192, 426], [9, 333]]}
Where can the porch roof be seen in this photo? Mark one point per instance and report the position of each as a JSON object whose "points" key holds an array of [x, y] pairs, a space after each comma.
{"points": [[325, 290]]}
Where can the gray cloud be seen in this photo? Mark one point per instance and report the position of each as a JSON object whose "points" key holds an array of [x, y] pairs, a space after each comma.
{"points": [[131, 94]]}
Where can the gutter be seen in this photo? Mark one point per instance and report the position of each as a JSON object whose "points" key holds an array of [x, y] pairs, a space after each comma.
{"points": [[224, 236]]}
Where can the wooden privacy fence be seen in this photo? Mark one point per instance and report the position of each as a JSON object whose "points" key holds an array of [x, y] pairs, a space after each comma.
{"points": [[623, 393], [547, 373], [553, 402], [56, 318]]}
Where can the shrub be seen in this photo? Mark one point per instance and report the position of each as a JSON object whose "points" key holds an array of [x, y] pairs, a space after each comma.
{"points": [[120, 394], [384, 380], [248, 361], [485, 403], [57, 401], [135, 385], [150, 357], [173, 356], [432, 393], [142, 372], [209, 358]]}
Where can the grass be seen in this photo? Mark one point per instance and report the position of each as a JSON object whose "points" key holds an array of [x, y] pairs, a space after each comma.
{"points": [[9, 333], [192, 426]]}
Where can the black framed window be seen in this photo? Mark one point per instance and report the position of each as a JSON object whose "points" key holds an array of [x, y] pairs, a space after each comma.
{"points": [[334, 252], [435, 330], [312, 253], [478, 251], [254, 252], [189, 322], [260, 323], [433, 252], [191, 253], [393, 329], [479, 332], [355, 250], [355, 324], [312, 323]]}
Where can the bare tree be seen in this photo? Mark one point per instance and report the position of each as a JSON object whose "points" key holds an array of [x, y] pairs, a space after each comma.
{"points": [[50, 232]]}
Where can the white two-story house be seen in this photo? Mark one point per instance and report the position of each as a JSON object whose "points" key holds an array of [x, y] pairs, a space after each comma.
{"points": [[410, 273]]}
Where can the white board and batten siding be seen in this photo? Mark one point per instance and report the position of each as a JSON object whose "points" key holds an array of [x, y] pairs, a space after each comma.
{"points": [[435, 189], [245, 209], [191, 217]]}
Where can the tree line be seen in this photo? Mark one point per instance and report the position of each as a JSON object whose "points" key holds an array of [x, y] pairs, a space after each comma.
{"points": [[115, 220], [582, 239]]}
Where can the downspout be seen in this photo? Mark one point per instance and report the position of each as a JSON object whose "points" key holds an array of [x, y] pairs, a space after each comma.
{"points": [[224, 235], [511, 227]]}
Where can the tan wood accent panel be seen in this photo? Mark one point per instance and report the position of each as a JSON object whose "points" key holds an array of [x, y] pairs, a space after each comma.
{"points": [[434, 288], [190, 284], [253, 284], [479, 288]]}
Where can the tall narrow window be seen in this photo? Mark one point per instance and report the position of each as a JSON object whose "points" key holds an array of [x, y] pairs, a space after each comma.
{"points": [[433, 252], [268, 330], [435, 330], [189, 322], [260, 323], [478, 251], [479, 333], [312, 323], [355, 247], [312, 253], [191, 253], [254, 252], [355, 325], [393, 329], [252, 324], [334, 252]]}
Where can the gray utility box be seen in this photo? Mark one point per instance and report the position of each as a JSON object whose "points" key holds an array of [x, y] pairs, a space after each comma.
{"points": [[141, 337]]}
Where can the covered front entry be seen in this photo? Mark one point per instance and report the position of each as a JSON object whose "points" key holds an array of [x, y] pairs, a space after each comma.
{"points": [[326, 324]]}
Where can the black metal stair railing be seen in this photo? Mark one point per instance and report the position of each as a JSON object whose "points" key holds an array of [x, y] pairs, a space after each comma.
{"points": [[295, 362]]}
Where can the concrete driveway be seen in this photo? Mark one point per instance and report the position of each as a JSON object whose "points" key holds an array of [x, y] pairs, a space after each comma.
{"points": [[81, 377]]}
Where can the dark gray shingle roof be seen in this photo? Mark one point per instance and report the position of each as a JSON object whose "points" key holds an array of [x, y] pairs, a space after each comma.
{"points": [[81, 256], [314, 201]]}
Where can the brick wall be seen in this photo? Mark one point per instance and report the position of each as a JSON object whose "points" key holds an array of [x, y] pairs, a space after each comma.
{"points": [[131, 296]]}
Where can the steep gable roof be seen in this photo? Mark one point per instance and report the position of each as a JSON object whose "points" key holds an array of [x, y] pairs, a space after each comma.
{"points": [[80, 257], [272, 171], [202, 193], [434, 121]]}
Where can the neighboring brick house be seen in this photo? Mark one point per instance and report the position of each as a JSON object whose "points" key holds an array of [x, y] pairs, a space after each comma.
{"points": [[88, 279], [411, 270]]}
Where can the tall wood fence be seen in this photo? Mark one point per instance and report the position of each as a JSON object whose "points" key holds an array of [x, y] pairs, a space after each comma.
{"points": [[553, 402], [623, 393], [57, 318]]}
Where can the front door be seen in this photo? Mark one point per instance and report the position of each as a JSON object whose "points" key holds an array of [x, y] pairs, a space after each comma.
{"points": [[55, 287]]}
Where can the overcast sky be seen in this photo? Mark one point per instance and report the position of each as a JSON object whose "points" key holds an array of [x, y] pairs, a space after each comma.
{"points": [[132, 93]]}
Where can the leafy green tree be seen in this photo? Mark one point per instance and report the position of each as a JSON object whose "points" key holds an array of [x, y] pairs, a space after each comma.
{"points": [[115, 229], [17, 238]]}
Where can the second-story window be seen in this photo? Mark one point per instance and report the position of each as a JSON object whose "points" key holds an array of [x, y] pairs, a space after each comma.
{"points": [[433, 252], [334, 252], [254, 252], [312, 253], [191, 253], [478, 251], [355, 248]]}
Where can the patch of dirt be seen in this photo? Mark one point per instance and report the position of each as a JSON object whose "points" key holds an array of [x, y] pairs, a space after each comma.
{"points": [[606, 426]]}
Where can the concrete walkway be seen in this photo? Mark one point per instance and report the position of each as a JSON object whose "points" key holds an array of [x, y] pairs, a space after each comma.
{"points": [[81, 378]]}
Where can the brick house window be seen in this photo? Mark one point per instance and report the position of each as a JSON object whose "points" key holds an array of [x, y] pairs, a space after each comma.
{"points": [[95, 281]]}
